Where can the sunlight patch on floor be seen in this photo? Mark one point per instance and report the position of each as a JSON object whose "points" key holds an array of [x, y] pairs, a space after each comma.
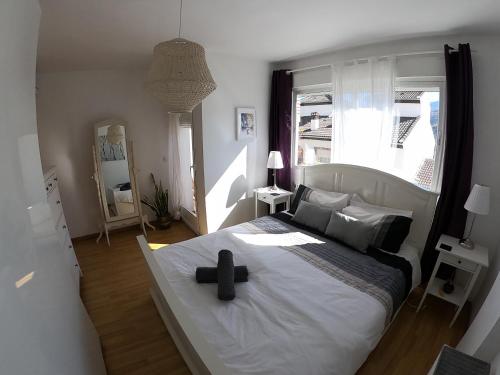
{"points": [[156, 246], [23, 280]]}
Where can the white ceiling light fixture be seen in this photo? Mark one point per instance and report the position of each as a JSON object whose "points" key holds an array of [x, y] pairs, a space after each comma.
{"points": [[179, 75]]}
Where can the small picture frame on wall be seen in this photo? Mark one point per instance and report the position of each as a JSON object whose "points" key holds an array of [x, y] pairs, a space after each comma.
{"points": [[246, 123]]}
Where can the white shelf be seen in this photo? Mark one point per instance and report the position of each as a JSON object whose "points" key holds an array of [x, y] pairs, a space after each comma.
{"points": [[462, 259], [456, 297]]}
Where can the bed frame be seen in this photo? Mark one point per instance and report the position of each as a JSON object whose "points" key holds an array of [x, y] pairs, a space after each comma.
{"points": [[374, 186]]}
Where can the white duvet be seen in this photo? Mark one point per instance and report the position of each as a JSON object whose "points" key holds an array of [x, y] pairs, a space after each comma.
{"points": [[289, 318]]}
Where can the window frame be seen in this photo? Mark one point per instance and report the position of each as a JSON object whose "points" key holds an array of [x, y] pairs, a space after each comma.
{"points": [[408, 83], [425, 84], [313, 89]]}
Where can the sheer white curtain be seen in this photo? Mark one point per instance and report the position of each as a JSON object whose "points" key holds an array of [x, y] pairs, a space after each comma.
{"points": [[174, 172], [363, 112]]}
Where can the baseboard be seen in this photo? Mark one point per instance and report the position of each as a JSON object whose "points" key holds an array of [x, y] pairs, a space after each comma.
{"points": [[190, 220], [95, 235]]}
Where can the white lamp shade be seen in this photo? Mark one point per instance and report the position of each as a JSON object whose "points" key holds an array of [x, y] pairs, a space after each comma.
{"points": [[275, 161], [479, 200]]}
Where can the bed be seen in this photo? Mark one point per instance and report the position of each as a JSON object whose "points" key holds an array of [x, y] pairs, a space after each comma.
{"points": [[312, 305], [123, 200]]}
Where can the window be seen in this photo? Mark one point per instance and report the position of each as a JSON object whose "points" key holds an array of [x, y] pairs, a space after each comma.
{"points": [[186, 160], [416, 147], [417, 134], [313, 128]]}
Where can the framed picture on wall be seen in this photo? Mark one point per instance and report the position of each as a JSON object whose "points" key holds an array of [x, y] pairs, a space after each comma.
{"points": [[246, 123]]}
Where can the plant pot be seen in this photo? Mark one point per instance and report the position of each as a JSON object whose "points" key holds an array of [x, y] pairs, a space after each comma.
{"points": [[164, 222]]}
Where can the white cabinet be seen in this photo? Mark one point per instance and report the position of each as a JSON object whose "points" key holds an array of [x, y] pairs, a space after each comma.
{"points": [[56, 207], [44, 327], [452, 254]]}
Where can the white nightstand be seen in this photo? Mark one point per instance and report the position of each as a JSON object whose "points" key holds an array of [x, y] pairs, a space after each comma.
{"points": [[272, 198], [470, 261]]}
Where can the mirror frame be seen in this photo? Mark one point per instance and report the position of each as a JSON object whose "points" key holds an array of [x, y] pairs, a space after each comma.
{"points": [[131, 171]]}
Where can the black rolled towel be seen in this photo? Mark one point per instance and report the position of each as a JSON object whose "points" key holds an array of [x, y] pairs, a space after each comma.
{"points": [[209, 274], [225, 276]]}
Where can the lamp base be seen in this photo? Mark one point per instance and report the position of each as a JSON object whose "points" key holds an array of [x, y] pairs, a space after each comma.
{"points": [[274, 187], [466, 243]]}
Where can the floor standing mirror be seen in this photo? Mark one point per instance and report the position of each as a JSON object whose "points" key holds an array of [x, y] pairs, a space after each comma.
{"points": [[115, 178]]}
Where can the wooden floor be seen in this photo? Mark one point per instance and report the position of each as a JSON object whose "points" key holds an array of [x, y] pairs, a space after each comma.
{"points": [[115, 291]]}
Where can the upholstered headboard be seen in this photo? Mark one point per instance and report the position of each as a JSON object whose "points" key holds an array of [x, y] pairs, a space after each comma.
{"points": [[378, 188]]}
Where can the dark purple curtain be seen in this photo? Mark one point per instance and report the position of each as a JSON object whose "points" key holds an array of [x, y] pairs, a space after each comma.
{"points": [[280, 126], [450, 216]]}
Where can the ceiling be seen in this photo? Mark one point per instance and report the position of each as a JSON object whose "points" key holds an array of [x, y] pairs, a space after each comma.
{"points": [[106, 34]]}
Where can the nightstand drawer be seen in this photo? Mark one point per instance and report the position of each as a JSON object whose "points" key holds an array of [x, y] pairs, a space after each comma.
{"points": [[265, 198], [463, 264]]}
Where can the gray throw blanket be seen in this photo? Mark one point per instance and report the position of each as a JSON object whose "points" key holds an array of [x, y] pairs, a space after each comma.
{"points": [[387, 283]]}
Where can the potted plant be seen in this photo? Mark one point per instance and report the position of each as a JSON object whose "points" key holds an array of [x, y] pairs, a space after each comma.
{"points": [[159, 204]]}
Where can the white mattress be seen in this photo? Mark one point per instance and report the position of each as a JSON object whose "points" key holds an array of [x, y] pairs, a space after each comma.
{"points": [[290, 318]]}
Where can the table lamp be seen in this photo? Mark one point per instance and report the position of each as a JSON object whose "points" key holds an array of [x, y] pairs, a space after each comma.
{"points": [[478, 203], [274, 162]]}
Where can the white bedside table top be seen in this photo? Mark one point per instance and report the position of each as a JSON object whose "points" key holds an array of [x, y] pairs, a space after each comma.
{"points": [[267, 190], [477, 255]]}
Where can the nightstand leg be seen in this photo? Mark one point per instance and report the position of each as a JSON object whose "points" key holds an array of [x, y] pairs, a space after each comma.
{"points": [[431, 281], [456, 314], [422, 301], [256, 206], [470, 285], [288, 204], [273, 208]]}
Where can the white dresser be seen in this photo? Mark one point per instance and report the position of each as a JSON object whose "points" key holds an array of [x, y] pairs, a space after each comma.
{"points": [[55, 203]]}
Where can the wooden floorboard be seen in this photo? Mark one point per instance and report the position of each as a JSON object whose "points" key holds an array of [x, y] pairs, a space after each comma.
{"points": [[115, 291]]}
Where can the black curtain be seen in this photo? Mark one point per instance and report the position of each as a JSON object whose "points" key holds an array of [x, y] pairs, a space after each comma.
{"points": [[450, 216], [280, 126]]}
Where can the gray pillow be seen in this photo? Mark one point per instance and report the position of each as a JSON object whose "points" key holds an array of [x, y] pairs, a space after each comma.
{"points": [[312, 216], [351, 231]]}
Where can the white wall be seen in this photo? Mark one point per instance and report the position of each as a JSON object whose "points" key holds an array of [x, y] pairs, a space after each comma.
{"points": [[486, 65], [115, 172], [44, 327], [482, 339], [495, 365], [68, 105], [234, 168]]}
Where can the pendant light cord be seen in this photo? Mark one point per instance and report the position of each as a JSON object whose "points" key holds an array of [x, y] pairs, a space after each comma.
{"points": [[180, 20]]}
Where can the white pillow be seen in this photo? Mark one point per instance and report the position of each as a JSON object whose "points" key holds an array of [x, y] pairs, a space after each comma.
{"points": [[357, 201], [360, 213], [330, 199]]}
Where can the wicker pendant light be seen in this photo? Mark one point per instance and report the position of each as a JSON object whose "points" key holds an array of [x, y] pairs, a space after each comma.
{"points": [[114, 134], [179, 75]]}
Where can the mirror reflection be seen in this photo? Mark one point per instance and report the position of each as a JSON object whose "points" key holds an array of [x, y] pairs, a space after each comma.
{"points": [[115, 174]]}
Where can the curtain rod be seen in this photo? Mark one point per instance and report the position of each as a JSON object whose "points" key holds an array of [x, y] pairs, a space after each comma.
{"points": [[433, 52]]}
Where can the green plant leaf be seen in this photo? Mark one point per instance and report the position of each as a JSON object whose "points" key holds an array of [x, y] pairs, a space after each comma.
{"points": [[159, 202]]}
